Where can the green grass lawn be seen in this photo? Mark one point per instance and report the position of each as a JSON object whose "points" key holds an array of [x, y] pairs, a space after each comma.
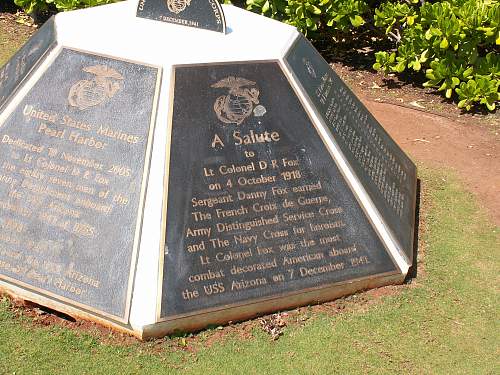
{"points": [[445, 322], [6, 49], [9, 42]]}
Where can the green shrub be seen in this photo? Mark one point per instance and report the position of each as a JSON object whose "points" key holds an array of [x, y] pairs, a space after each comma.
{"points": [[455, 42], [309, 16], [31, 6]]}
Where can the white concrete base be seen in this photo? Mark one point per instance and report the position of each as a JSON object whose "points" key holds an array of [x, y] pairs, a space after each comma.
{"points": [[115, 31]]}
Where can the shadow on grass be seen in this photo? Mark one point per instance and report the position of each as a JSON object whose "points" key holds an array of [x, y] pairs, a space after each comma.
{"points": [[412, 272]]}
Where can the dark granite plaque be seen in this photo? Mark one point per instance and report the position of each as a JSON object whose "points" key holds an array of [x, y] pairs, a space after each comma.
{"points": [[73, 166], [257, 207], [201, 14], [19, 66], [387, 174]]}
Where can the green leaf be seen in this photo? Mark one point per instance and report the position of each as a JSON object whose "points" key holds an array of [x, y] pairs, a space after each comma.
{"points": [[448, 93], [467, 72], [443, 44], [265, 7], [315, 10], [423, 56], [430, 74], [392, 58], [356, 21], [400, 67]]}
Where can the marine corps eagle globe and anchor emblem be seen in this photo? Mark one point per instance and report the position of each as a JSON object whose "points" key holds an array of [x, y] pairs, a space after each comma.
{"points": [[177, 6], [90, 93], [239, 102]]}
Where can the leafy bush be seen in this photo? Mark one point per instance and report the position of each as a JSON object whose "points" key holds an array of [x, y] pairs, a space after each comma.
{"points": [[455, 42], [31, 6], [310, 16]]}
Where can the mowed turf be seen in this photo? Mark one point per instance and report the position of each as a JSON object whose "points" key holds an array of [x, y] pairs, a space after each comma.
{"points": [[11, 38], [444, 322]]}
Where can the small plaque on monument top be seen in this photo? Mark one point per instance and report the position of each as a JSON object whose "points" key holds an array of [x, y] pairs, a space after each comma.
{"points": [[201, 14]]}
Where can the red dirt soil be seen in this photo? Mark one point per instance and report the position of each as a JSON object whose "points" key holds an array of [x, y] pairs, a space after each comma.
{"points": [[469, 149]]}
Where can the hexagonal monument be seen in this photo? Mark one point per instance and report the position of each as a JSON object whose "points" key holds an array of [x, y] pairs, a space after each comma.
{"points": [[157, 178]]}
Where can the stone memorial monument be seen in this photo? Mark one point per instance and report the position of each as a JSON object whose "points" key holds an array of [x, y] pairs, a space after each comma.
{"points": [[156, 178]]}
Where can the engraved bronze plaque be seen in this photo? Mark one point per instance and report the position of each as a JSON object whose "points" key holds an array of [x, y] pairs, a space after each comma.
{"points": [[73, 167], [387, 174], [19, 66], [256, 206], [200, 14]]}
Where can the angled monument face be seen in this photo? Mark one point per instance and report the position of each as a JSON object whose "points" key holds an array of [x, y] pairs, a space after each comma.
{"points": [[201, 14], [23, 62], [387, 174], [257, 210], [72, 176]]}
